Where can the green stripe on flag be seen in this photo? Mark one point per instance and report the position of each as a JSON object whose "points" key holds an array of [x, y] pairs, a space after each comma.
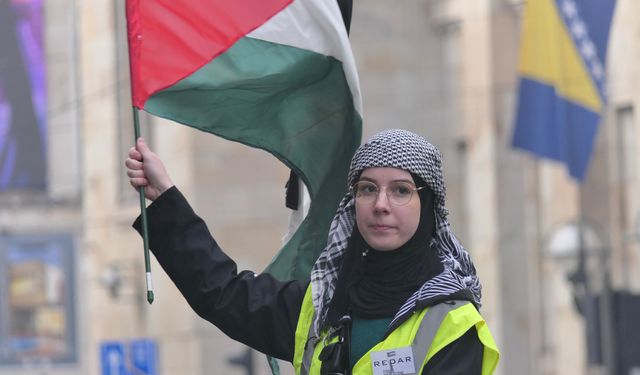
{"points": [[291, 102]]}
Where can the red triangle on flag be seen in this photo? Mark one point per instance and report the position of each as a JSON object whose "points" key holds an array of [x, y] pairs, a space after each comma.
{"points": [[169, 39]]}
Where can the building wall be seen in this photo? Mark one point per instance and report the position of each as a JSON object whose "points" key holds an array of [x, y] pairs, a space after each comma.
{"points": [[623, 144]]}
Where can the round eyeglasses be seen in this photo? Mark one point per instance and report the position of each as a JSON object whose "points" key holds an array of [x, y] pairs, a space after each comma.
{"points": [[399, 193]]}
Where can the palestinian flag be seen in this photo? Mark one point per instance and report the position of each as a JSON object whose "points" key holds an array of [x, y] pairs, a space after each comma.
{"points": [[273, 74]]}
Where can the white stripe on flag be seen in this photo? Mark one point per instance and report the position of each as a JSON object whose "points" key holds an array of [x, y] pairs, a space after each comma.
{"points": [[314, 25]]}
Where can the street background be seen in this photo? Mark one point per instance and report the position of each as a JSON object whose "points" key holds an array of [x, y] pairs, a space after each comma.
{"points": [[559, 259]]}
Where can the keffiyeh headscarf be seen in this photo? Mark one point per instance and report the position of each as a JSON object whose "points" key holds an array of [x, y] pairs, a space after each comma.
{"points": [[408, 151]]}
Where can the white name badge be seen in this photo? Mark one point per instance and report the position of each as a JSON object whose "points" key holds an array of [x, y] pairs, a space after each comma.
{"points": [[397, 361]]}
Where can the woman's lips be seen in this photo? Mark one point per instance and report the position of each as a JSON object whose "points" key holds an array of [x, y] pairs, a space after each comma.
{"points": [[380, 227]]}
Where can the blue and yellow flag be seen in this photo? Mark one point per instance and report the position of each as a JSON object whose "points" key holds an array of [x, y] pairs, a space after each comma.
{"points": [[562, 79]]}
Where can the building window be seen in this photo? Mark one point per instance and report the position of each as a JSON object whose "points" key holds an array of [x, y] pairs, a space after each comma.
{"points": [[23, 131], [39, 103], [626, 144], [454, 146], [626, 155], [37, 318]]}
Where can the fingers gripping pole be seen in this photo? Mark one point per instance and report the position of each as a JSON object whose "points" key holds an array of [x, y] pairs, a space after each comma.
{"points": [[143, 210]]}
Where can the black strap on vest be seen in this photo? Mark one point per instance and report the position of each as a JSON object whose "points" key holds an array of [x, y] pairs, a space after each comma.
{"points": [[427, 331]]}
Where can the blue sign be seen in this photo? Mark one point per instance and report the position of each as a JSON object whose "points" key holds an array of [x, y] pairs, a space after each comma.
{"points": [[138, 357], [143, 355], [112, 358]]}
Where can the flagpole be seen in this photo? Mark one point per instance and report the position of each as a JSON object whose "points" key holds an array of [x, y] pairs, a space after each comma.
{"points": [[136, 128], [143, 213]]}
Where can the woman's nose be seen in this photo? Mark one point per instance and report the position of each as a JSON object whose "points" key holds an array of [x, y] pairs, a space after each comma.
{"points": [[382, 202]]}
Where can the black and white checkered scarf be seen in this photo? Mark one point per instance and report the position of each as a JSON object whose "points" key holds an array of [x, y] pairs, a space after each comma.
{"points": [[410, 152]]}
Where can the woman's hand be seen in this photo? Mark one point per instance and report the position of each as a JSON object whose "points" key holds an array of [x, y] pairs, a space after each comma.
{"points": [[145, 169]]}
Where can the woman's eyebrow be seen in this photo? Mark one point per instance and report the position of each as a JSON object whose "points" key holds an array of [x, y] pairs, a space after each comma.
{"points": [[375, 181], [366, 179]]}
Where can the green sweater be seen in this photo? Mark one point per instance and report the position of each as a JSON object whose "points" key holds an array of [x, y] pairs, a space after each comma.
{"points": [[365, 334]]}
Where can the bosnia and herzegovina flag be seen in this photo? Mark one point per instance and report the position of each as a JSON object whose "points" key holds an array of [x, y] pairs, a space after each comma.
{"points": [[562, 79], [273, 74]]}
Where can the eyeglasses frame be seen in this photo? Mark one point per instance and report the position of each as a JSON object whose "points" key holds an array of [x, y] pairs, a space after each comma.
{"points": [[413, 190]]}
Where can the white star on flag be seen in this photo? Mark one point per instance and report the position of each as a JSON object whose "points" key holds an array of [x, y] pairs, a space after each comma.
{"points": [[588, 50], [569, 8], [578, 29], [596, 69]]}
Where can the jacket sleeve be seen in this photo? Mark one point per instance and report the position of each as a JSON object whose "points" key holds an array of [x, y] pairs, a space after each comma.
{"points": [[463, 356], [257, 310]]}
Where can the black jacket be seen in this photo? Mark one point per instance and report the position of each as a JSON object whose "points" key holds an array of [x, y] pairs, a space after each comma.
{"points": [[257, 310]]}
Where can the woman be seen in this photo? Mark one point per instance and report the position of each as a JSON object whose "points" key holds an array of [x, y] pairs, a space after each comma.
{"points": [[393, 292]]}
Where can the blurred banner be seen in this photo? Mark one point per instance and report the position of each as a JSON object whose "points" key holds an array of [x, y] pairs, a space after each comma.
{"points": [[37, 308], [22, 96], [562, 79]]}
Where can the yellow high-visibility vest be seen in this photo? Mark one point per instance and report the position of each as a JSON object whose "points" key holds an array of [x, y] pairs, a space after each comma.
{"points": [[408, 348]]}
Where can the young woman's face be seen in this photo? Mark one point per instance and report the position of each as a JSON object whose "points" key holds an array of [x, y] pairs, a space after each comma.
{"points": [[384, 225]]}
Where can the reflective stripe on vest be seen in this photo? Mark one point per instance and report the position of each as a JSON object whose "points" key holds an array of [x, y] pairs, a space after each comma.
{"points": [[430, 325], [309, 348]]}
